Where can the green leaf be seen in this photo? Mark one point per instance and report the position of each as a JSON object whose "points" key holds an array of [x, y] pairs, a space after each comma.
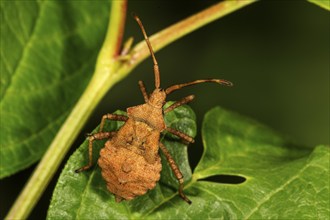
{"points": [[322, 3], [85, 196], [282, 180], [48, 52]]}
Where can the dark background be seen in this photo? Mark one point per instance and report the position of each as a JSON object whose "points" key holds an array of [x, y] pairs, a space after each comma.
{"points": [[276, 53]]}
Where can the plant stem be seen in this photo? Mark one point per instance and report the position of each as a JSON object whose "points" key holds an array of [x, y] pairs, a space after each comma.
{"points": [[109, 70], [186, 26]]}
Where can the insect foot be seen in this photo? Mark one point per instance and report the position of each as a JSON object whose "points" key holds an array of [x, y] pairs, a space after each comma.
{"points": [[130, 160]]}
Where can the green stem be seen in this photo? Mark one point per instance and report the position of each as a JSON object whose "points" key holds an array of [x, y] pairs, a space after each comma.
{"points": [[109, 70], [186, 26]]}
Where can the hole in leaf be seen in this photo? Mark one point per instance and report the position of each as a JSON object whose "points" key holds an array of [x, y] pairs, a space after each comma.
{"points": [[228, 179]]}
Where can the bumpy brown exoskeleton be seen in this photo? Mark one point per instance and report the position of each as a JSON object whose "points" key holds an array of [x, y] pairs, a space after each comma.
{"points": [[130, 161]]}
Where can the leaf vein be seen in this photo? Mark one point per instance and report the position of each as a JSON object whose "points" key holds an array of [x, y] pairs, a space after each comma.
{"points": [[274, 192], [217, 197], [35, 134], [23, 54], [90, 177]]}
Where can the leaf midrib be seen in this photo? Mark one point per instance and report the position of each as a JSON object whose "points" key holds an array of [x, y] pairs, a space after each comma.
{"points": [[90, 177]]}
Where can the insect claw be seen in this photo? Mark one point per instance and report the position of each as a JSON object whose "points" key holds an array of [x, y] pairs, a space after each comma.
{"points": [[78, 170], [184, 197], [181, 194], [88, 135], [83, 168], [188, 201], [186, 142]]}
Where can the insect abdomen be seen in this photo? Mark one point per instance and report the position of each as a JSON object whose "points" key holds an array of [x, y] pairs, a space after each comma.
{"points": [[127, 173]]}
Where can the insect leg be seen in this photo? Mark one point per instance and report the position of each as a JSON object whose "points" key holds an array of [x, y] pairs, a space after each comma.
{"points": [[112, 117], [183, 101], [92, 137], [175, 170], [181, 135], [144, 91]]}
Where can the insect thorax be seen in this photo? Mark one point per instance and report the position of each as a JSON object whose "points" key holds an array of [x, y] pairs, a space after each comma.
{"points": [[148, 114]]}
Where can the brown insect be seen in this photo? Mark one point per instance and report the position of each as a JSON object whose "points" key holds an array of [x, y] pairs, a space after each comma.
{"points": [[130, 161]]}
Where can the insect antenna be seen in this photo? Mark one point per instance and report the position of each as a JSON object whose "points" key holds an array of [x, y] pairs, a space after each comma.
{"points": [[179, 86], [156, 68]]}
